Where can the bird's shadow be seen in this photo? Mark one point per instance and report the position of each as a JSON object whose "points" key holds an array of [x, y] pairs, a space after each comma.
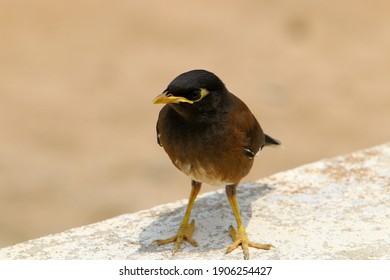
{"points": [[213, 216]]}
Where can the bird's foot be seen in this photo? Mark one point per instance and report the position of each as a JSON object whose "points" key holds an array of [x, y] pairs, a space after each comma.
{"points": [[184, 233], [240, 238]]}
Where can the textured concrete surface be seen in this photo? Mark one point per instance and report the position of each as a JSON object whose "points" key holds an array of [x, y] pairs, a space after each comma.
{"points": [[335, 208]]}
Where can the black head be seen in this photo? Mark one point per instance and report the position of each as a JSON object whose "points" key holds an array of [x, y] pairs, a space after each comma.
{"points": [[194, 92], [186, 83]]}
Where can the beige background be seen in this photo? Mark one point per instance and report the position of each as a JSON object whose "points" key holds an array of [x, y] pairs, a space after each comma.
{"points": [[77, 127]]}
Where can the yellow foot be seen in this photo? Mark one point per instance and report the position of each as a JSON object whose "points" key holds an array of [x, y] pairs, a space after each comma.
{"points": [[184, 233], [241, 238]]}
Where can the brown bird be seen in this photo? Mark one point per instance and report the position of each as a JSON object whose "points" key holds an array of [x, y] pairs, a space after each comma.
{"points": [[212, 136]]}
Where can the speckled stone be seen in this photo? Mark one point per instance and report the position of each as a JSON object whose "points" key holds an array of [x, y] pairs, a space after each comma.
{"points": [[336, 208]]}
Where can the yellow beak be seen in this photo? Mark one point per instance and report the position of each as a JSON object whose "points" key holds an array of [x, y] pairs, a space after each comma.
{"points": [[168, 98]]}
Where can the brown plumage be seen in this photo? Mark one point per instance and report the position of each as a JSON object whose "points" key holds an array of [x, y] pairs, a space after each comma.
{"points": [[212, 136]]}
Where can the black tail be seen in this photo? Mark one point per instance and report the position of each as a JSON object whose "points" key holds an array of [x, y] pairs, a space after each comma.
{"points": [[270, 141]]}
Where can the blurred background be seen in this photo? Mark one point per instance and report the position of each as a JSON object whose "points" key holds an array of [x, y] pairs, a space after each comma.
{"points": [[77, 126]]}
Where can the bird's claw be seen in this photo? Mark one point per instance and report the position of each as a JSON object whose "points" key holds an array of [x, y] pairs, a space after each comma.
{"points": [[241, 238], [184, 233]]}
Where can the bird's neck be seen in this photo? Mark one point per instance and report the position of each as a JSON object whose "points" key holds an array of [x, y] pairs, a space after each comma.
{"points": [[194, 114]]}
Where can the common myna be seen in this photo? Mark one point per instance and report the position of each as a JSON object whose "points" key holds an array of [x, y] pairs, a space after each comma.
{"points": [[212, 136]]}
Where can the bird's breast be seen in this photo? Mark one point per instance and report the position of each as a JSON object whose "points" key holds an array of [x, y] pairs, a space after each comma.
{"points": [[209, 152], [215, 160]]}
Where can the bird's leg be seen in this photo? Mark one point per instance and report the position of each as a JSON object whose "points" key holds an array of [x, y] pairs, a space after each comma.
{"points": [[240, 237], [186, 229]]}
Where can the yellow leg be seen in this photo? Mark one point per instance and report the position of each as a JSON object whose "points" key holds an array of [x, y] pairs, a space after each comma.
{"points": [[240, 237], [186, 229]]}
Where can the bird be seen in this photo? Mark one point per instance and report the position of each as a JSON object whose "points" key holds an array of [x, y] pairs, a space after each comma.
{"points": [[212, 136]]}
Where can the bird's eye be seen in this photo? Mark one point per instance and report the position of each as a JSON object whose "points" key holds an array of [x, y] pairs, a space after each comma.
{"points": [[194, 95]]}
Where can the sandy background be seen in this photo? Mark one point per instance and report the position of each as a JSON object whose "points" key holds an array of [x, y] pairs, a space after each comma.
{"points": [[77, 126]]}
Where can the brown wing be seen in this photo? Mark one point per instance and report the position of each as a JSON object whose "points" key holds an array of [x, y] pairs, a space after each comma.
{"points": [[248, 128]]}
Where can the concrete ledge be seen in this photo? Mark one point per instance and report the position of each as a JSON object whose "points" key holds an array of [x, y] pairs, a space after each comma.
{"points": [[335, 208]]}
